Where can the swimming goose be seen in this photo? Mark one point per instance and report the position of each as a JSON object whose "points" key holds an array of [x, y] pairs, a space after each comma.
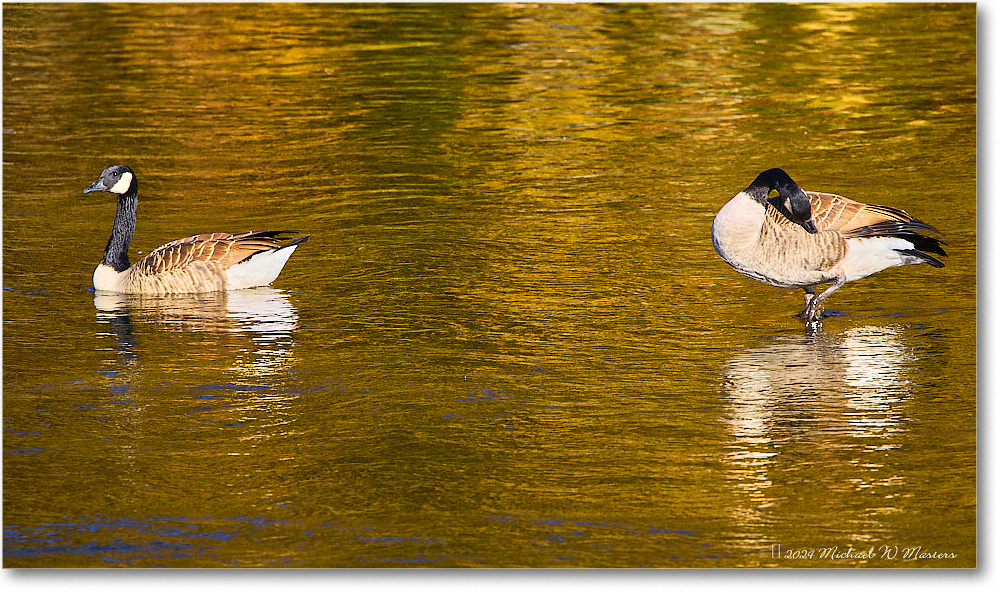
{"points": [[801, 239], [201, 263]]}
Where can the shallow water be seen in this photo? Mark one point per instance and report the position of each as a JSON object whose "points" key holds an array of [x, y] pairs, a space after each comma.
{"points": [[509, 341]]}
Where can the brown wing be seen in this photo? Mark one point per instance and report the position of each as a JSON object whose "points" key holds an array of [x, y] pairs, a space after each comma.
{"points": [[855, 219], [220, 248]]}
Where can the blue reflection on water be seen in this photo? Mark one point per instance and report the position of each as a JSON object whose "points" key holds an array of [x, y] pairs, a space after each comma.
{"points": [[124, 546], [159, 541]]}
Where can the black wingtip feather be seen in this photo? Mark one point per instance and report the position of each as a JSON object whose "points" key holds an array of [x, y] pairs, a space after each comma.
{"points": [[923, 256], [923, 225], [924, 243], [292, 243]]}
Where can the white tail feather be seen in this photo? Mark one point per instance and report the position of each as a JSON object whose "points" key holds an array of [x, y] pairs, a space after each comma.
{"points": [[259, 270]]}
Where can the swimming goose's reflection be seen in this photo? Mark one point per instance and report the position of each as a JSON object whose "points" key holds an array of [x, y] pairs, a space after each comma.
{"points": [[823, 404], [265, 315]]}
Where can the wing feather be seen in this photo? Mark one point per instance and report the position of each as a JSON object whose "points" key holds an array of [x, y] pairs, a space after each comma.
{"points": [[855, 219], [221, 249]]}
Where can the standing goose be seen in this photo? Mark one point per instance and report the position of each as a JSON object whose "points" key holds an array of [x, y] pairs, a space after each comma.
{"points": [[201, 263], [801, 239]]}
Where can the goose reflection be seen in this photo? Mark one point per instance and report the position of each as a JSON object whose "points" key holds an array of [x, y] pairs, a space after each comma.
{"points": [[858, 377], [265, 315], [826, 402]]}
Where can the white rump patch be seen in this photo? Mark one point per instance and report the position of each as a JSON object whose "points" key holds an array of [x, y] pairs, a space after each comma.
{"points": [[122, 185], [259, 270], [869, 255]]}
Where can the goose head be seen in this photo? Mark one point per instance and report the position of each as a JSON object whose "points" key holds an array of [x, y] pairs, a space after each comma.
{"points": [[117, 179], [791, 200]]}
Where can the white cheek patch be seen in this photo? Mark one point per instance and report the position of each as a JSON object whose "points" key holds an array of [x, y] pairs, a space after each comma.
{"points": [[122, 185]]}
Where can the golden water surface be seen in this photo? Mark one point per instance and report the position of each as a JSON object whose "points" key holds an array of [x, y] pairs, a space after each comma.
{"points": [[509, 341]]}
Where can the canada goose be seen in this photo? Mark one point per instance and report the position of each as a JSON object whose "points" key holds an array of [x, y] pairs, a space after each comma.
{"points": [[801, 239], [201, 263]]}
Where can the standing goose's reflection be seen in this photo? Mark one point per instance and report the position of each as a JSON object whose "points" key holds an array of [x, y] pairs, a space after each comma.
{"points": [[822, 410], [265, 315]]}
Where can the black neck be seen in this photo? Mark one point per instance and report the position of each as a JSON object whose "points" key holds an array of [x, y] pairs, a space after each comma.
{"points": [[116, 253], [758, 193]]}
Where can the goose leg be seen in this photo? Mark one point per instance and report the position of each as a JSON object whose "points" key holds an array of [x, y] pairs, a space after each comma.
{"points": [[810, 294], [814, 304]]}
